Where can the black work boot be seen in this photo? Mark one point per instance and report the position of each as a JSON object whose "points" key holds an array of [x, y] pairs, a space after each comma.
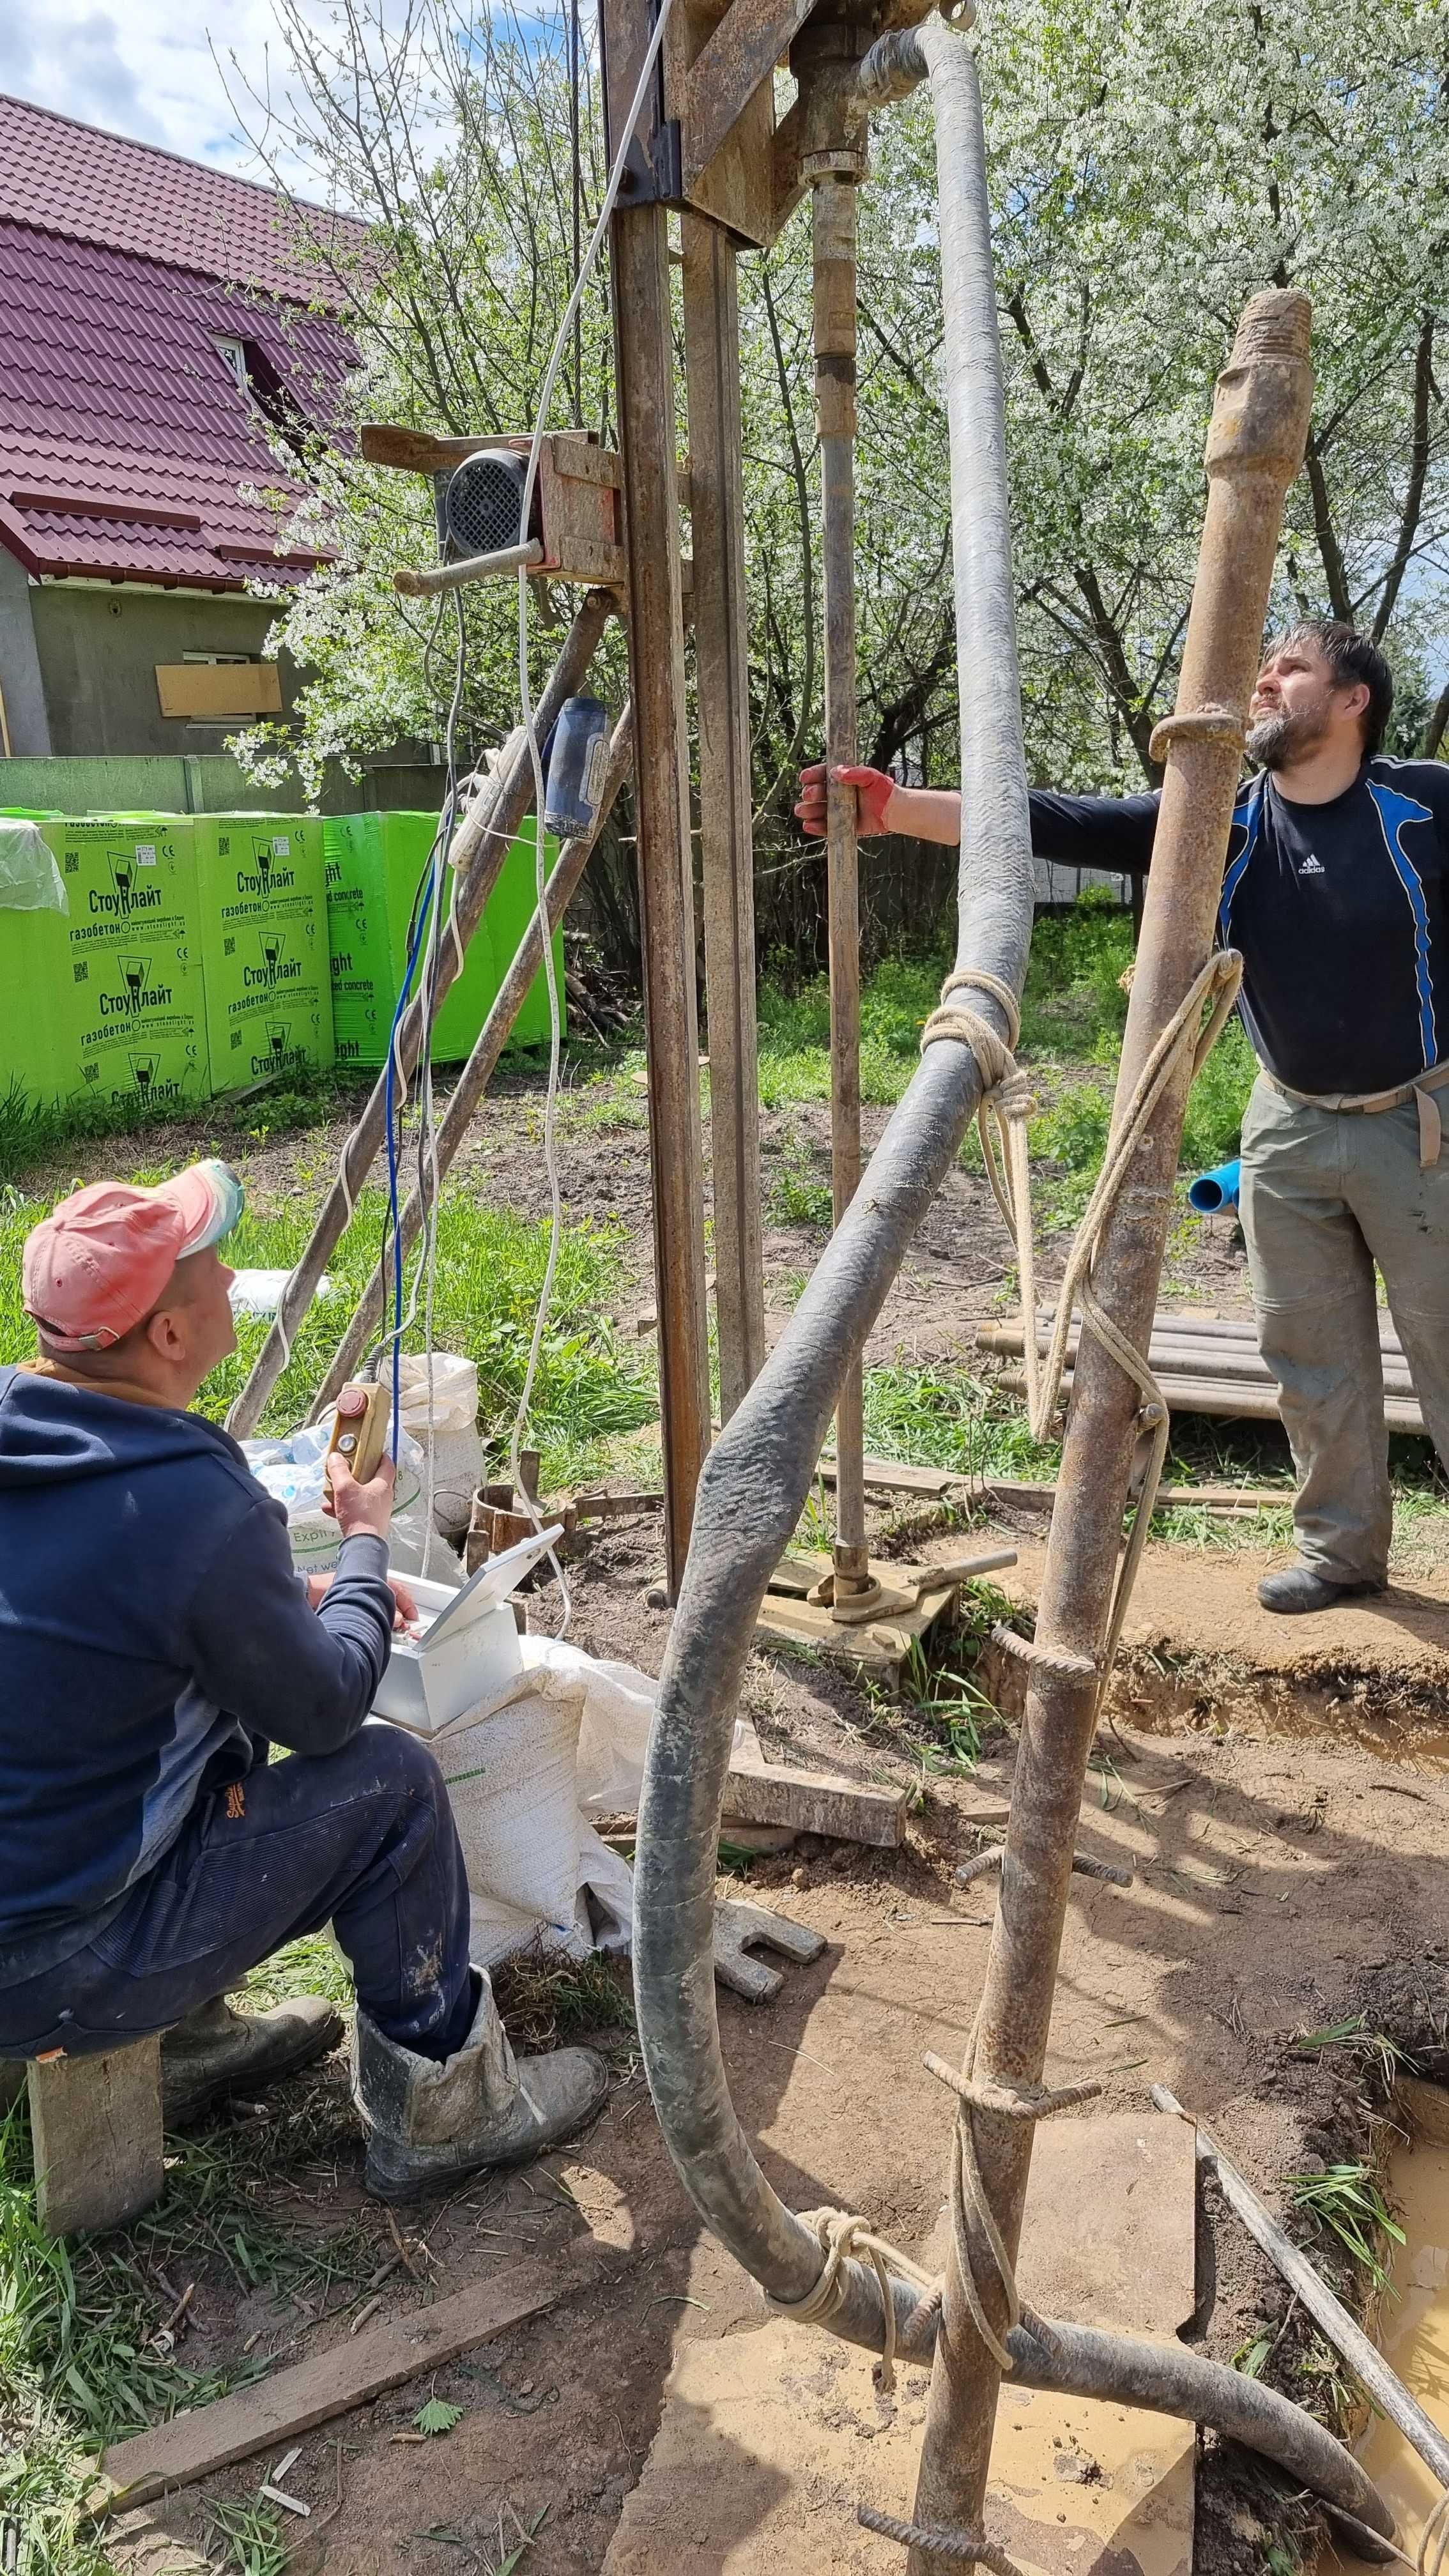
{"points": [[217, 2051], [1298, 1589], [430, 2123]]}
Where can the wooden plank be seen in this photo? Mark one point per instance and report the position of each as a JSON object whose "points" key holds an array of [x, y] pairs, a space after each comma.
{"points": [[219, 688], [96, 2127], [896, 1476], [712, 370], [750, 39], [1245, 1403], [356, 2370], [644, 345], [814, 1803]]}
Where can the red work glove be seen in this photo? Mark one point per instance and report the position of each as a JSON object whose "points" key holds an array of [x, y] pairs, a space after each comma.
{"points": [[873, 790]]}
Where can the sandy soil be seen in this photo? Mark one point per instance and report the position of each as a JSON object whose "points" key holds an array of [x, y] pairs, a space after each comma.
{"points": [[1286, 1867], [1279, 1791]]}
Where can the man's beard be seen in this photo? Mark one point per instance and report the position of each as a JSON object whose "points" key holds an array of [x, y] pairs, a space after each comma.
{"points": [[1276, 740]]}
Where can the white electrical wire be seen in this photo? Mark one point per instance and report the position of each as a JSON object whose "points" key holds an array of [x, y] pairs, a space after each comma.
{"points": [[550, 1159]]}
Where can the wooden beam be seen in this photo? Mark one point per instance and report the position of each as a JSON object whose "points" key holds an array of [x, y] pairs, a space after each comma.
{"points": [[712, 368], [95, 2123], [644, 352], [749, 41], [815, 1803], [234, 2428]]}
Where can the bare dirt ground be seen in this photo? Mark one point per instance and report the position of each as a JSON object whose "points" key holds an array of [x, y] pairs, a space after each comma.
{"points": [[1280, 1790], [1287, 1859], [957, 1273]]}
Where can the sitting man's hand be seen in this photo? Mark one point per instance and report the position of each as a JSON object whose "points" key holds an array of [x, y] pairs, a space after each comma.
{"points": [[406, 1613], [873, 791], [357, 1507]]}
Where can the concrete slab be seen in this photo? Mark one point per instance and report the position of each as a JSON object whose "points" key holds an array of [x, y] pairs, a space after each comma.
{"points": [[769, 2440]]}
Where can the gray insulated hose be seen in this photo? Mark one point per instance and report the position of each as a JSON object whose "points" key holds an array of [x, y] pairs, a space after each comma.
{"points": [[758, 1473]]}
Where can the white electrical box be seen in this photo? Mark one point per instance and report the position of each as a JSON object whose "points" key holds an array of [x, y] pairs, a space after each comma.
{"points": [[468, 1643]]}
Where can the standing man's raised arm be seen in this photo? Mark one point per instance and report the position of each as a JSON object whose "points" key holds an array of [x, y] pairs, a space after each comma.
{"points": [[1114, 833]]}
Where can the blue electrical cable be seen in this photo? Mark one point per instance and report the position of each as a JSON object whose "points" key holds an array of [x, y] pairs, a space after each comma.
{"points": [[394, 1212]]}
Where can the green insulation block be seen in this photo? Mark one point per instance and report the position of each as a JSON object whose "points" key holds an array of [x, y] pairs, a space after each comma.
{"points": [[260, 878], [374, 865], [124, 967]]}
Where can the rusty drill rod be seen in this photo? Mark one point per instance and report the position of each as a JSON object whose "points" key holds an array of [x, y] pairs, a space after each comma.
{"points": [[833, 231], [1255, 447], [479, 845], [477, 1073]]}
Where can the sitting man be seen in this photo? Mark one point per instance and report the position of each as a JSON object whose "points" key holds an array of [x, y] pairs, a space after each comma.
{"points": [[1337, 894], [154, 1642]]}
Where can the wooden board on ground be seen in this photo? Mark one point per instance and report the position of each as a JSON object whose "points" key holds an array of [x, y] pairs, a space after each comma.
{"points": [[768, 2440], [96, 2127], [192, 2446], [812, 1802]]}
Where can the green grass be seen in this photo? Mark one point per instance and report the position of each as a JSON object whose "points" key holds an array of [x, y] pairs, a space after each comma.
{"points": [[33, 1131], [1073, 1014], [1345, 2201], [490, 1269], [936, 1417], [79, 2362]]}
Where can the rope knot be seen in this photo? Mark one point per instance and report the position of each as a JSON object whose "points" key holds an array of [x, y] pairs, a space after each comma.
{"points": [[840, 2234]]}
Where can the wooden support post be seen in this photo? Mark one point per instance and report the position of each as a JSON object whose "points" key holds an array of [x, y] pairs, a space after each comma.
{"points": [[833, 211], [1255, 447], [712, 370], [95, 2125], [644, 347]]}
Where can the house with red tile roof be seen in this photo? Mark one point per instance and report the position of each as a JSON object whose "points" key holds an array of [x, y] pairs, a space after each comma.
{"points": [[160, 322]]}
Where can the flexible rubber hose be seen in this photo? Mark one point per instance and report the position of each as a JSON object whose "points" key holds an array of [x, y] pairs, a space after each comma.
{"points": [[1168, 2379], [756, 1478], [758, 1473]]}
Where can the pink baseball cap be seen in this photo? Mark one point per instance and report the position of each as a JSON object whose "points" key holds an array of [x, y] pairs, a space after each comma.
{"points": [[100, 1261]]}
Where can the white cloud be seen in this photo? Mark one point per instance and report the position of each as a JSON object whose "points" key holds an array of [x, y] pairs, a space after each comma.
{"points": [[144, 69]]}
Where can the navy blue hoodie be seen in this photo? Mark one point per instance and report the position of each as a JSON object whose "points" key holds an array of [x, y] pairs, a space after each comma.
{"points": [[153, 1636]]}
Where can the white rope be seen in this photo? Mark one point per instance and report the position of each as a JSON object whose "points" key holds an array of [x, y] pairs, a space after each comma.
{"points": [[520, 1424], [1008, 1104], [1434, 2540]]}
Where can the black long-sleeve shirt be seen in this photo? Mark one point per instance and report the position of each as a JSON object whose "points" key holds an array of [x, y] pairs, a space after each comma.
{"points": [[1340, 911]]}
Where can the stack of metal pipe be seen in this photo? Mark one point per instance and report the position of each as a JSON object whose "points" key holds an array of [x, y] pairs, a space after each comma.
{"points": [[1211, 1364]]}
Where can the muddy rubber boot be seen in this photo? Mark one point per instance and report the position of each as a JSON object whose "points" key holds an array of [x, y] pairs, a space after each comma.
{"points": [[429, 2123], [1299, 1590], [217, 2051]]}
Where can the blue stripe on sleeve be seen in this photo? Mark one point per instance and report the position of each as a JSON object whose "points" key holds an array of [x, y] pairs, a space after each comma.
{"points": [[1394, 811], [1247, 818]]}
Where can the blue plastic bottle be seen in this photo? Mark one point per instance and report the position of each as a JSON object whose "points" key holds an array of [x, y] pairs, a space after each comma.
{"points": [[577, 754]]}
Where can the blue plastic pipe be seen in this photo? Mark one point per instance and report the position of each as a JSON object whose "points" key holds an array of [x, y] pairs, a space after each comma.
{"points": [[1214, 1190]]}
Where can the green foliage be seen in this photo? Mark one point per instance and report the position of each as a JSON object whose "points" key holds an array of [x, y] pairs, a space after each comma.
{"points": [[797, 1195], [82, 2362], [490, 1270], [437, 2415], [1346, 2200], [251, 2535], [1308, 141]]}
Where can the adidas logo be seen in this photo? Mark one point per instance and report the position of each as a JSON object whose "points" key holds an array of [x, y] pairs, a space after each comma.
{"points": [[1311, 867]]}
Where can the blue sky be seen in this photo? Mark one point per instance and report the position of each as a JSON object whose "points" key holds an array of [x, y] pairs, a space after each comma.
{"points": [[144, 69]]}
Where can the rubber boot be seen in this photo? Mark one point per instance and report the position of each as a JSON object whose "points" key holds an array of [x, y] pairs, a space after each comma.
{"points": [[429, 2123], [217, 2051], [1298, 1590]]}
